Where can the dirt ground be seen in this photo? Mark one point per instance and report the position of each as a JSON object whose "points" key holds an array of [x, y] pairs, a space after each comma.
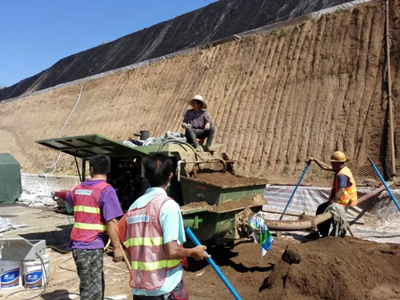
{"points": [[275, 99], [324, 269]]}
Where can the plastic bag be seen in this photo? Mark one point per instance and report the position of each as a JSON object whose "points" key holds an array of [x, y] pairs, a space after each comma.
{"points": [[261, 233]]}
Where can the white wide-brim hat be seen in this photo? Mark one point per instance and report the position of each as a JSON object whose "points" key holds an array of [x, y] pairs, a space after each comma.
{"points": [[198, 98]]}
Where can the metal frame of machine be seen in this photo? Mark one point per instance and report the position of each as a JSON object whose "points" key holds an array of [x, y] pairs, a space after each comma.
{"points": [[210, 210]]}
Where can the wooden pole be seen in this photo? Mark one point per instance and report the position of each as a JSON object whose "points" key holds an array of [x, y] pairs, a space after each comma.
{"points": [[390, 91]]}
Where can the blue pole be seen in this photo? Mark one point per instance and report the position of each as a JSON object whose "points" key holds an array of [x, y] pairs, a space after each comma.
{"points": [[294, 191], [213, 265], [384, 183]]}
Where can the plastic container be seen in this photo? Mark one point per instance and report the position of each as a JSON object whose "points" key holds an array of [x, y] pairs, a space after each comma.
{"points": [[10, 274], [34, 275]]}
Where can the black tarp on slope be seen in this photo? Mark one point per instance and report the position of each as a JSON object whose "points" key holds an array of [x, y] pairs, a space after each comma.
{"points": [[10, 179], [213, 22]]}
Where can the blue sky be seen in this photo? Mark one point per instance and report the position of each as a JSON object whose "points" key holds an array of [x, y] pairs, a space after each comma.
{"points": [[35, 34]]}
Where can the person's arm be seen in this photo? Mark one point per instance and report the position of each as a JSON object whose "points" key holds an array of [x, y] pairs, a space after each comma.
{"points": [[174, 251], [111, 210], [185, 122], [338, 195], [114, 240], [343, 183], [174, 234], [320, 164], [68, 199], [207, 121]]}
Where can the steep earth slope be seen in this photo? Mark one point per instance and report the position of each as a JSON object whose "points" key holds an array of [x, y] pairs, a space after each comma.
{"points": [[275, 98], [213, 22]]}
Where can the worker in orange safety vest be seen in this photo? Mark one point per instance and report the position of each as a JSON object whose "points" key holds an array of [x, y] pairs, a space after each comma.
{"points": [[344, 189]]}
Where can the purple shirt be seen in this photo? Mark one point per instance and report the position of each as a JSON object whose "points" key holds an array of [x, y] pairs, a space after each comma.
{"points": [[110, 209], [198, 119]]}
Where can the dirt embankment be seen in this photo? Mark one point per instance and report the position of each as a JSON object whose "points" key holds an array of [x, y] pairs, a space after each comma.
{"points": [[216, 21], [275, 98]]}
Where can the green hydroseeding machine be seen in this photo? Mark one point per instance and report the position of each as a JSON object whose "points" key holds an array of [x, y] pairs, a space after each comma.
{"points": [[204, 184]]}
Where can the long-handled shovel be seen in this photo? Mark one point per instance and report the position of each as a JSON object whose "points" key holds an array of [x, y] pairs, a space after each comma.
{"points": [[295, 189], [384, 183], [213, 265]]}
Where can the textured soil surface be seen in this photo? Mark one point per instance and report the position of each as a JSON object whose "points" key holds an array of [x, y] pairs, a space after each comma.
{"points": [[216, 21], [334, 268], [228, 180], [330, 268], [275, 99], [228, 205]]}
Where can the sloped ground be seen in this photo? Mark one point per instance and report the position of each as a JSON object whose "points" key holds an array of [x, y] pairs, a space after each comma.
{"points": [[213, 22], [275, 98]]}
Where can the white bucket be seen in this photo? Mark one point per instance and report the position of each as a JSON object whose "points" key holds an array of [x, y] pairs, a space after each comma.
{"points": [[10, 274], [34, 275]]}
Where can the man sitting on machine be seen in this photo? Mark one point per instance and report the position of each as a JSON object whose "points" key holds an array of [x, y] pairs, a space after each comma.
{"points": [[197, 124]]}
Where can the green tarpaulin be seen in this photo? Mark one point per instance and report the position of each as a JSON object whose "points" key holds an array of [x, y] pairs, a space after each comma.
{"points": [[10, 179]]}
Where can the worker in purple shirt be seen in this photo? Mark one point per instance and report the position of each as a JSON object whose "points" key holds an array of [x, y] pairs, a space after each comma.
{"points": [[96, 209], [197, 123]]}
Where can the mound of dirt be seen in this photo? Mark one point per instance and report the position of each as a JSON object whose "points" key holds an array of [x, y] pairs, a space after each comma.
{"points": [[334, 268]]}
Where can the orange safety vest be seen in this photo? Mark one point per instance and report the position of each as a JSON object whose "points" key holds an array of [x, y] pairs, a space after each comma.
{"points": [[143, 239], [350, 193], [87, 215]]}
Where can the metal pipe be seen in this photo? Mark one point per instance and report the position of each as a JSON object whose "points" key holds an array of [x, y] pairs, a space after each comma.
{"points": [[77, 167], [213, 265], [178, 170], [297, 224], [384, 183], [83, 169], [295, 189], [390, 91]]}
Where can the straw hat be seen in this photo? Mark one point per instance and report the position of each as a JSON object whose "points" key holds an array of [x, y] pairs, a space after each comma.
{"points": [[198, 98]]}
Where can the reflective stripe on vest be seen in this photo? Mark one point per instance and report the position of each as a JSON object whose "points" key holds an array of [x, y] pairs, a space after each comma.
{"points": [[151, 266], [87, 215], [350, 193], [144, 242], [87, 209], [90, 226]]}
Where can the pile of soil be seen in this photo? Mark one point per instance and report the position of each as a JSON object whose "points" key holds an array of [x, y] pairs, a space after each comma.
{"points": [[228, 180], [243, 266], [329, 268], [228, 205], [334, 268]]}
